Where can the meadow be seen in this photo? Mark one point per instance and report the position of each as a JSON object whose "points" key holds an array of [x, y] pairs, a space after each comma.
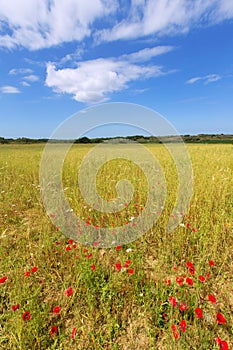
{"points": [[165, 290]]}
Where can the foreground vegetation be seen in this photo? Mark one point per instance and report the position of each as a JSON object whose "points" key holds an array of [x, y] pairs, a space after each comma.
{"points": [[163, 291]]}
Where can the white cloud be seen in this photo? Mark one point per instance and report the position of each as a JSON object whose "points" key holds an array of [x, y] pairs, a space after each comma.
{"points": [[92, 81], [166, 17], [31, 78], [210, 78], [8, 89], [148, 53], [41, 23], [24, 83], [37, 24], [16, 71]]}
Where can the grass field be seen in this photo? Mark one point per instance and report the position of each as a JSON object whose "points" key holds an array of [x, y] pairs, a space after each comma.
{"points": [[163, 291]]}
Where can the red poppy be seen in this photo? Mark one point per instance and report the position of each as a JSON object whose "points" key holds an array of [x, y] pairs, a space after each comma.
{"points": [[53, 330], [211, 263], [172, 301], [15, 307], [222, 344], [3, 279], [118, 266], [130, 271], [118, 247], [56, 310], [68, 248], [201, 278], [183, 326], [69, 292], [176, 334], [70, 241], [27, 273], [180, 280], [89, 256], [212, 299], [93, 267], [26, 316], [198, 313], [183, 307], [73, 333], [189, 281], [220, 318], [34, 269]]}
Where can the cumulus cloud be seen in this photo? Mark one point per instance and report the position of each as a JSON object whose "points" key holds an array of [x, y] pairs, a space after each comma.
{"points": [[92, 81], [15, 71], [8, 89], [210, 78]]}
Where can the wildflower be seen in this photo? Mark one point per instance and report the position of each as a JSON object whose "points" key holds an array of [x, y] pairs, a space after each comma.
{"points": [[89, 256], [222, 344], [27, 273], [34, 269], [15, 307], [183, 326], [212, 299], [70, 241], [93, 267], [180, 280], [68, 248], [198, 313], [73, 333], [211, 263], [201, 278], [172, 301], [220, 318], [183, 307], [118, 266], [53, 330], [3, 279], [130, 271], [129, 250], [189, 281], [176, 334], [26, 316], [118, 247], [69, 292], [56, 310]]}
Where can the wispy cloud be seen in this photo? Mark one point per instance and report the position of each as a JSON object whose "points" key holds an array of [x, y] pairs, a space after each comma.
{"points": [[16, 71], [8, 89], [31, 78], [41, 23], [207, 79], [92, 81]]}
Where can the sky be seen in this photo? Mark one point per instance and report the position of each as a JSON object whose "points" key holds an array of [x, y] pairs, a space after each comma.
{"points": [[59, 57]]}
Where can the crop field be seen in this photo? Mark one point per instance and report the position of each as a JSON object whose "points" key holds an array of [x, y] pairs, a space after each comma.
{"points": [[164, 290]]}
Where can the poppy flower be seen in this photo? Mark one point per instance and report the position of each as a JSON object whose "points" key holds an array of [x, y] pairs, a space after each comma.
{"points": [[73, 333], [53, 330], [201, 278], [3, 279], [118, 266], [220, 318], [176, 334], [15, 307], [93, 267], [172, 301], [211, 263], [118, 247], [56, 310], [198, 313], [183, 326], [222, 344], [212, 299], [189, 281], [130, 271], [69, 292], [27, 273], [34, 269], [183, 307], [26, 316], [180, 280]]}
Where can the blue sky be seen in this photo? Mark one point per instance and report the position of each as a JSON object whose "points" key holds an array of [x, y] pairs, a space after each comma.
{"points": [[59, 57]]}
